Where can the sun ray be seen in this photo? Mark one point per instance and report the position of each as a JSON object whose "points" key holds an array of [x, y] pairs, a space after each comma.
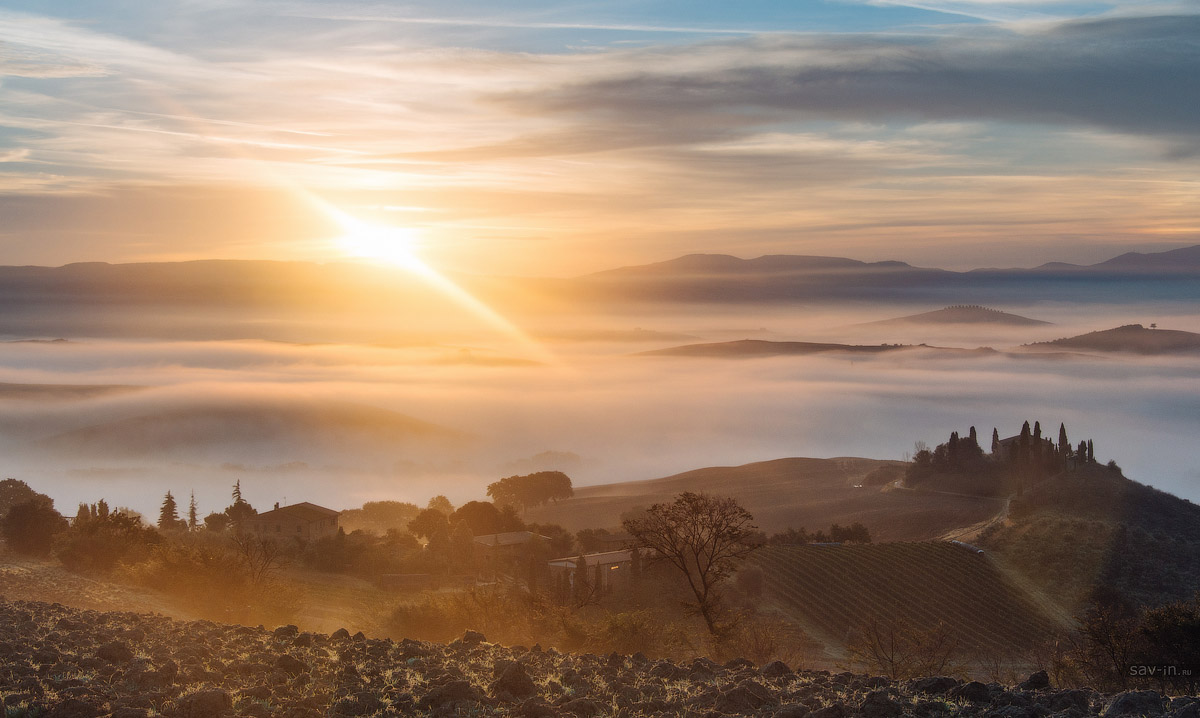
{"points": [[398, 246]]}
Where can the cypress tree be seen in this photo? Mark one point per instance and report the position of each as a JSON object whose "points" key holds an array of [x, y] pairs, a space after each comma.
{"points": [[193, 520], [1064, 446], [168, 515], [1091, 453], [995, 441]]}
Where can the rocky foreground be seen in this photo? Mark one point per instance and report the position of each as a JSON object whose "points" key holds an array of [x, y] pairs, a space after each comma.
{"points": [[60, 662]]}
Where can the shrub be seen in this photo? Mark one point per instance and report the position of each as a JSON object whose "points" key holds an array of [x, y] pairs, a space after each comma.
{"points": [[29, 527]]}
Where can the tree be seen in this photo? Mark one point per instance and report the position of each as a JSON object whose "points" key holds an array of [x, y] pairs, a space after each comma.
{"points": [[897, 649], [531, 489], [240, 510], [484, 518], [995, 441], [442, 504], [168, 515], [1091, 452], [30, 526], [258, 556], [428, 522], [1064, 444], [193, 522], [216, 522], [703, 537], [462, 547]]}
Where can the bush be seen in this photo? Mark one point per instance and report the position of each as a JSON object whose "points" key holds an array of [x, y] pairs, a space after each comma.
{"points": [[100, 544], [29, 527]]}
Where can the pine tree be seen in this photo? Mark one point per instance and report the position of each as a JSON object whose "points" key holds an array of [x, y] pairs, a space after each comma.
{"points": [[193, 520], [168, 515]]}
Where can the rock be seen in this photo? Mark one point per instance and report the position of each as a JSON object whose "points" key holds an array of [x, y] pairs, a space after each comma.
{"points": [[738, 663], [1139, 703], [285, 632], [74, 708], [340, 634], [1076, 698], [130, 712], [835, 710], [794, 710], [261, 693], [776, 669], [362, 703], [1187, 710], [582, 707], [974, 691], [203, 704], [450, 693], [1035, 682], [290, 665], [536, 708], [745, 697], [878, 704], [473, 638], [935, 685], [115, 652], [515, 682]]}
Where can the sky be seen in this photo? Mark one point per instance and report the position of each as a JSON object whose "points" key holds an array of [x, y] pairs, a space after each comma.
{"points": [[536, 138]]}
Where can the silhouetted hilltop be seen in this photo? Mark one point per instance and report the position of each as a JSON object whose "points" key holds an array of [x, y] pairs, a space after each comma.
{"points": [[1130, 338], [963, 314], [752, 348], [298, 426], [762, 347]]}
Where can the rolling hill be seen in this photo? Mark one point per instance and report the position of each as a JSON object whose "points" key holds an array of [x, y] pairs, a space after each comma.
{"points": [[796, 492], [752, 348], [833, 590], [38, 392], [288, 427], [1131, 338], [762, 347], [1092, 530]]}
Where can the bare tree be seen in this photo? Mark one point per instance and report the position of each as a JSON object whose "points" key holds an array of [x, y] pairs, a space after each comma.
{"points": [[899, 650], [260, 557], [704, 537]]}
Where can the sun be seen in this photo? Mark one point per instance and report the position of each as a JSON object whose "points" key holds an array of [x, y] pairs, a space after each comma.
{"points": [[391, 245]]}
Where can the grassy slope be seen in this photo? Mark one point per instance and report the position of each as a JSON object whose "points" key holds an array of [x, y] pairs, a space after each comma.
{"points": [[834, 589], [812, 493], [1093, 528]]}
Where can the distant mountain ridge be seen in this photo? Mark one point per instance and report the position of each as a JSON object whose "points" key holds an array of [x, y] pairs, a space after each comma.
{"points": [[82, 299]]}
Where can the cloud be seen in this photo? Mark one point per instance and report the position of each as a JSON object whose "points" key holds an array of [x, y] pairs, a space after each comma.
{"points": [[1124, 74]]}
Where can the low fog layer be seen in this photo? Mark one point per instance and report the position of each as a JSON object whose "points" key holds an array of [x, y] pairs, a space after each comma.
{"points": [[340, 424]]}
